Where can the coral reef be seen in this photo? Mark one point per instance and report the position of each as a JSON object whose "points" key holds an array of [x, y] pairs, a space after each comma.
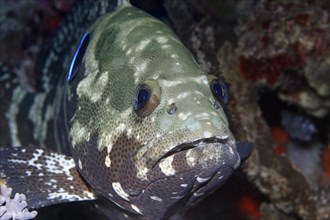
{"points": [[285, 44], [298, 126], [276, 61]]}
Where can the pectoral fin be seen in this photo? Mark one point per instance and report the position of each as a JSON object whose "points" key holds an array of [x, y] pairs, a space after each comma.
{"points": [[244, 149], [44, 177]]}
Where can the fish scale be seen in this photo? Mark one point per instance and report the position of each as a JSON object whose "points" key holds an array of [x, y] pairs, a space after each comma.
{"points": [[144, 125]]}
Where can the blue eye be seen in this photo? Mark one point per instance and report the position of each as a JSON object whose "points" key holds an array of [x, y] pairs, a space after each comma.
{"points": [[146, 98], [78, 56], [141, 97], [220, 91]]}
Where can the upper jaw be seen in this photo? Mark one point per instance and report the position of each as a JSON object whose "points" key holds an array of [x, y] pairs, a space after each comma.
{"points": [[193, 144], [201, 143], [201, 154]]}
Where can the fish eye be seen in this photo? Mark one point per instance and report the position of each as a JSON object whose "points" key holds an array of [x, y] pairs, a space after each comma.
{"points": [[146, 98], [219, 90], [78, 56]]}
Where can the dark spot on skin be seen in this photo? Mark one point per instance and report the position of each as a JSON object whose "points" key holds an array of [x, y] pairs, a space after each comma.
{"points": [[92, 161], [122, 168], [123, 163]]}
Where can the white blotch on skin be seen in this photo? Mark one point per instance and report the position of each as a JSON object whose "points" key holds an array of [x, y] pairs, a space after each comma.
{"points": [[203, 116], [39, 120], [183, 116], [142, 44], [177, 197], [170, 101], [162, 39], [166, 46], [231, 151], [80, 164], [119, 190], [198, 194], [16, 161], [202, 180], [183, 95], [36, 156], [129, 132], [129, 51], [59, 164], [92, 87], [142, 173], [191, 158], [140, 70], [136, 209], [121, 127], [166, 166], [17, 97], [184, 185], [62, 195], [191, 124], [118, 205], [207, 134], [205, 81], [107, 161], [156, 198], [79, 133], [131, 60]]}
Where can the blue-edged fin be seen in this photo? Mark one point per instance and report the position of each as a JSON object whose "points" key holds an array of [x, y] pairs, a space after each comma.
{"points": [[244, 149], [44, 177]]}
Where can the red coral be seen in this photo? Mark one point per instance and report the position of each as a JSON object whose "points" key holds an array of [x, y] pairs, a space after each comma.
{"points": [[280, 137], [280, 36], [249, 206], [267, 70]]}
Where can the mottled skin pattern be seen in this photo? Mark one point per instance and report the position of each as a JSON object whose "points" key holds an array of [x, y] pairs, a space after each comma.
{"points": [[155, 166]]}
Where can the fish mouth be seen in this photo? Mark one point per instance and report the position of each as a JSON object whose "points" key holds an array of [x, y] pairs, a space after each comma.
{"points": [[199, 143], [193, 170], [201, 155]]}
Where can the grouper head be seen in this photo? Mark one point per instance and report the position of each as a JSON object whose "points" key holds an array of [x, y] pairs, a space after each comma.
{"points": [[147, 126]]}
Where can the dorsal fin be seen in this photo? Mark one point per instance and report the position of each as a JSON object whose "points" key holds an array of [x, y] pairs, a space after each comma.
{"points": [[57, 52]]}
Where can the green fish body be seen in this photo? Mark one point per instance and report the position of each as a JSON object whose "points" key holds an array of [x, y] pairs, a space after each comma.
{"points": [[145, 126]]}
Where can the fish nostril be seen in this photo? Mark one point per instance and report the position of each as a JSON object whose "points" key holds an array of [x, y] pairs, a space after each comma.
{"points": [[171, 109]]}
